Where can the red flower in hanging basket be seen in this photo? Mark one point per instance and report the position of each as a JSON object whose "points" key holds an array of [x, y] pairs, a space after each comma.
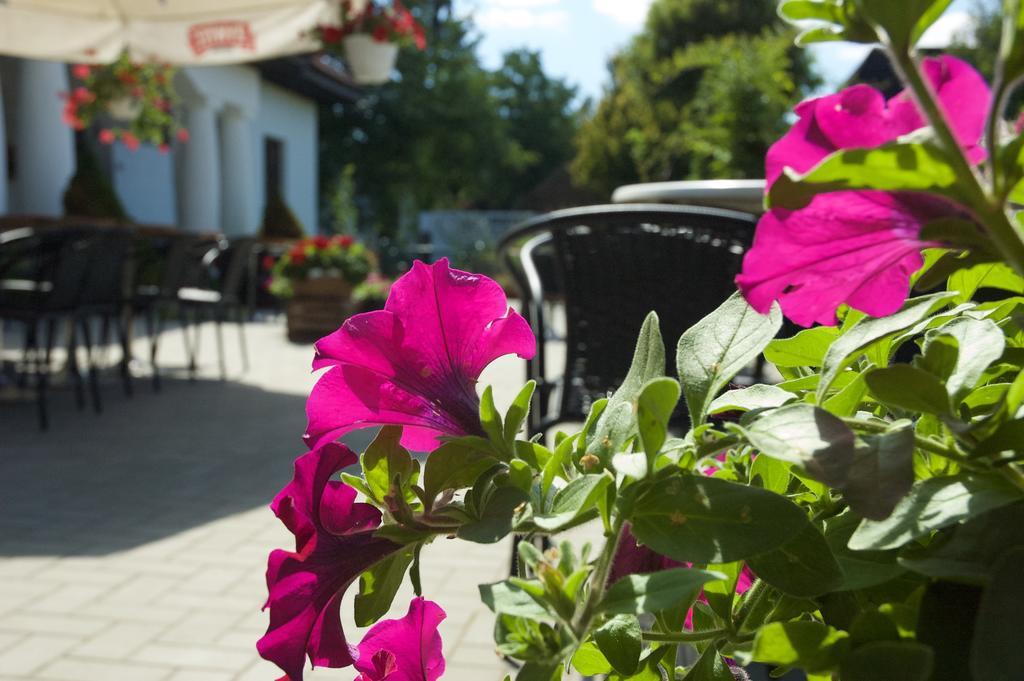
{"points": [[137, 96]]}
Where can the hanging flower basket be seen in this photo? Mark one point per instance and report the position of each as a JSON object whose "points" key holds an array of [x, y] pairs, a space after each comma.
{"points": [[371, 62], [368, 40], [132, 101]]}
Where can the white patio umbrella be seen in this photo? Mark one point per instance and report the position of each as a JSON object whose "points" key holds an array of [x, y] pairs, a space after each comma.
{"points": [[175, 31]]}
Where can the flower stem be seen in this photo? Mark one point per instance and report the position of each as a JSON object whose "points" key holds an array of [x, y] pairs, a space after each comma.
{"points": [[598, 581], [685, 636], [987, 205]]}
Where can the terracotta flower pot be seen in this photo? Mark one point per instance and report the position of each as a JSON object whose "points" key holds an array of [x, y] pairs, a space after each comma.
{"points": [[370, 61]]}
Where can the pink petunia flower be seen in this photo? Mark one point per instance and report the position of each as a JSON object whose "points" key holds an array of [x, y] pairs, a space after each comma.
{"points": [[130, 141], [334, 544], [81, 71], [855, 247], [416, 362], [107, 136], [406, 649]]}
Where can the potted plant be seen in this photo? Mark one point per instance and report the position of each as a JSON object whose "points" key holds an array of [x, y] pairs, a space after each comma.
{"points": [[369, 38], [372, 293], [135, 98], [316, 276]]}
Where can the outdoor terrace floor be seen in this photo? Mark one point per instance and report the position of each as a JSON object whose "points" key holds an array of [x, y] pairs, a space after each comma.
{"points": [[133, 543]]}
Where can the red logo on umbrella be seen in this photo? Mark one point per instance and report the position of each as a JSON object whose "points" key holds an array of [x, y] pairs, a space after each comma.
{"points": [[221, 35]]}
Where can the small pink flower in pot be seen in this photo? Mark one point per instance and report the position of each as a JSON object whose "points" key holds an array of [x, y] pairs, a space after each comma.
{"points": [[416, 362]]}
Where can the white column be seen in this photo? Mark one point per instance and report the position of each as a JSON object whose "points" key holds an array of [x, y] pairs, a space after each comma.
{"points": [[199, 170], [44, 146], [3, 153], [238, 173]]}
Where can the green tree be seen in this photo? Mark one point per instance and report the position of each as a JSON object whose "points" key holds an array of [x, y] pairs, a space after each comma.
{"points": [[448, 133], [540, 118], [700, 93]]}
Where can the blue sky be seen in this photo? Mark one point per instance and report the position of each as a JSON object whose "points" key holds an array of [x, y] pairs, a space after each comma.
{"points": [[576, 37]]}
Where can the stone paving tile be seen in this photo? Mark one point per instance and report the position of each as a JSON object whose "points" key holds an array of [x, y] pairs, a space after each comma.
{"points": [[133, 544], [33, 652], [73, 669], [119, 641]]}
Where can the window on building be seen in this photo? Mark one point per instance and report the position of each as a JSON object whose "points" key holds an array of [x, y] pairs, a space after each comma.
{"points": [[273, 163]]}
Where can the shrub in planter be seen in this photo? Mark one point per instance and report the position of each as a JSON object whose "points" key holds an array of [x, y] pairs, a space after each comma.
{"points": [[279, 222], [369, 39]]}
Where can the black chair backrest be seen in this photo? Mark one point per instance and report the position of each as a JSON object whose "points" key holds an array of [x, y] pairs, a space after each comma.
{"points": [[54, 259], [612, 265], [108, 276], [238, 260]]}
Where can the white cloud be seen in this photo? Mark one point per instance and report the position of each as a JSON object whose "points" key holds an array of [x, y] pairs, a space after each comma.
{"points": [[943, 31], [498, 18], [627, 12]]}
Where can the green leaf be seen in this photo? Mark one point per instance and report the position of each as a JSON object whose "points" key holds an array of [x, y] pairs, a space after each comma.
{"points": [[980, 343], [772, 473], [718, 347], [383, 460], [707, 520], [710, 667], [490, 419], [657, 401], [808, 437], [504, 598], [882, 473], [589, 661], [573, 500], [654, 592], [966, 282], [1008, 437], [648, 362], [811, 645], [748, 399], [969, 552], [931, 505], [861, 569], [870, 330], [495, 521], [996, 652], [842, 19], [805, 349], [620, 641], [891, 167], [517, 413], [848, 399], [454, 465], [556, 465], [888, 660], [378, 586], [902, 22], [802, 567], [906, 387]]}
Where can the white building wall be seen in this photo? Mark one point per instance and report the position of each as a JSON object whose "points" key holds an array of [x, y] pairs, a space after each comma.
{"points": [[292, 119], [144, 181]]}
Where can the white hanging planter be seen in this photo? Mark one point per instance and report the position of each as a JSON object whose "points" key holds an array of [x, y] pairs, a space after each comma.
{"points": [[125, 108], [370, 61]]}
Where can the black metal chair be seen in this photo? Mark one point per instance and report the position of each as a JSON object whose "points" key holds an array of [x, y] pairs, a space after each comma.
{"points": [[42, 276], [229, 268], [161, 264], [105, 298], [611, 265]]}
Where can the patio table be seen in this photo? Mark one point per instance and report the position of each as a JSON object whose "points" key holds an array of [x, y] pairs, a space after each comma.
{"points": [[743, 195]]}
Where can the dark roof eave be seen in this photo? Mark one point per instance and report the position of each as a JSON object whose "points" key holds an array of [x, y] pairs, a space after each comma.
{"points": [[309, 76]]}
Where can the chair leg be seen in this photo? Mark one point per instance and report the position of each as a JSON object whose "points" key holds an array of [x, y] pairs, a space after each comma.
{"points": [[73, 367], [28, 357], [94, 380], [43, 375], [185, 318], [218, 318], [241, 338], [122, 332], [153, 325]]}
